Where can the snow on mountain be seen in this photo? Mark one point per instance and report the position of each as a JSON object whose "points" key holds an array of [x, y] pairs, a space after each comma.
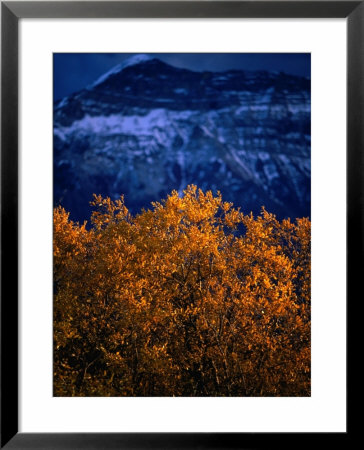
{"points": [[132, 61], [152, 128]]}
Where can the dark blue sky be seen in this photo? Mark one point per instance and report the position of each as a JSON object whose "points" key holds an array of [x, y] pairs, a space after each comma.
{"points": [[75, 71]]}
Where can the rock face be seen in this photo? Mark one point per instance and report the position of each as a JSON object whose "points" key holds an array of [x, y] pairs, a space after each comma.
{"points": [[145, 128]]}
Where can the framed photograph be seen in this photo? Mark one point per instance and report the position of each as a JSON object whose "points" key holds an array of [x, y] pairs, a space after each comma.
{"points": [[181, 197]]}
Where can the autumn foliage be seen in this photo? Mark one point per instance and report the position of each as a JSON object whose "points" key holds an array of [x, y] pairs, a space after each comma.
{"points": [[189, 298]]}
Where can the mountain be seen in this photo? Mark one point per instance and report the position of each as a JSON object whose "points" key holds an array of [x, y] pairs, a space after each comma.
{"points": [[146, 127]]}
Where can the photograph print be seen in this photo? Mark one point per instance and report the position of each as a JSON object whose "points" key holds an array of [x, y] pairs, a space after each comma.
{"points": [[181, 225]]}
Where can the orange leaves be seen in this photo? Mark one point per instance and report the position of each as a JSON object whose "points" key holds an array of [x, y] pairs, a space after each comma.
{"points": [[173, 302]]}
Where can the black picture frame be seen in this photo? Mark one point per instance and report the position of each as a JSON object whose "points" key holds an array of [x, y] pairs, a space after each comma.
{"points": [[11, 12]]}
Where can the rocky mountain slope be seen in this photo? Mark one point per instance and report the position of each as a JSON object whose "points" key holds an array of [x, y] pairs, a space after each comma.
{"points": [[145, 128]]}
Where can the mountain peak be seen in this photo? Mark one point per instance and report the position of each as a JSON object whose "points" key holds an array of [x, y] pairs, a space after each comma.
{"points": [[131, 61]]}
